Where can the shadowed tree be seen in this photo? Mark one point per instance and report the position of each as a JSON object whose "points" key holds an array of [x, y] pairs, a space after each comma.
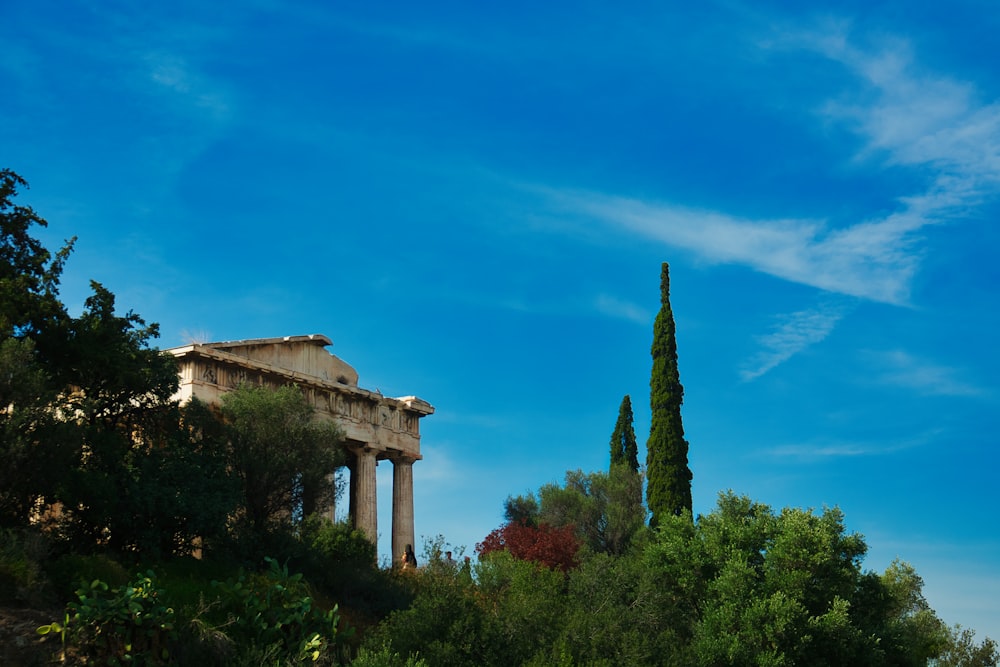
{"points": [[29, 274], [117, 399], [668, 490], [283, 457], [624, 449], [29, 310], [521, 509], [86, 417]]}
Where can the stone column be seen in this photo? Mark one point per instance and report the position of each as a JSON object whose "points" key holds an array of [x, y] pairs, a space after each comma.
{"points": [[402, 505], [365, 495], [331, 511]]}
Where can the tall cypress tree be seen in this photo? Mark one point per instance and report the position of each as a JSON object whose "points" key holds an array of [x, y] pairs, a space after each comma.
{"points": [[623, 446], [668, 490]]}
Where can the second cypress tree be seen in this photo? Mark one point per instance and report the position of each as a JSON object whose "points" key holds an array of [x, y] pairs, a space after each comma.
{"points": [[668, 490], [623, 445]]}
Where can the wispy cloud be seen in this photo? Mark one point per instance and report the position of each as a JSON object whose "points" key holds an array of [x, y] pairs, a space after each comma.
{"points": [[915, 117], [821, 451], [905, 118], [173, 75], [901, 369], [825, 450], [871, 260], [614, 307], [790, 335]]}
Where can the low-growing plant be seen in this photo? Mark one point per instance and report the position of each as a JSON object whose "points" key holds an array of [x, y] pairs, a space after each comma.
{"points": [[385, 657], [275, 609], [125, 625], [21, 577]]}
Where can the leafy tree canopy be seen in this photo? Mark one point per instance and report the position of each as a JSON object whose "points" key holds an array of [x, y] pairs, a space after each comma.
{"points": [[29, 274], [604, 509], [743, 585], [283, 457], [555, 548]]}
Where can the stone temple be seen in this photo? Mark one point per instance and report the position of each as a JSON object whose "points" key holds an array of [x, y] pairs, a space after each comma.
{"points": [[375, 427]]}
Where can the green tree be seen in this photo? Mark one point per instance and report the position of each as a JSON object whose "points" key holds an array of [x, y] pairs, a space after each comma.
{"points": [[508, 612], [445, 625], [668, 489], [33, 443], [87, 422], [29, 274], [962, 651], [909, 629], [179, 486], [605, 509], [116, 400], [521, 509], [30, 445], [624, 450], [617, 613], [283, 457], [788, 589], [525, 605]]}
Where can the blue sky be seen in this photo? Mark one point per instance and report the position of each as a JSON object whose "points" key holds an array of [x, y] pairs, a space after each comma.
{"points": [[474, 203]]}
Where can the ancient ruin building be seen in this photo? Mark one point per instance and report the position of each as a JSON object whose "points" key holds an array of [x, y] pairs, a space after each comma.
{"points": [[375, 427]]}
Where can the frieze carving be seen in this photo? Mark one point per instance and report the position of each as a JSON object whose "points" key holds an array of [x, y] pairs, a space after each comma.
{"points": [[363, 409], [237, 377], [209, 374]]}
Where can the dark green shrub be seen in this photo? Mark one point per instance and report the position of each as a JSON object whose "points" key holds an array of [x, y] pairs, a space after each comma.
{"points": [[340, 562], [338, 542], [68, 573], [21, 577], [275, 609], [130, 624]]}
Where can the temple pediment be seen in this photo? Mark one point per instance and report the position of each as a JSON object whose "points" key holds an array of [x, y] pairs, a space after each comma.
{"points": [[297, 354]]}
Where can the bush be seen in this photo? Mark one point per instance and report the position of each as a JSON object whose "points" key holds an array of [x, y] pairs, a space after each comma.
{"points": [[266, 618], [276, 610], [130, 624], [68, 573], [21, 577], [339, 542], [340, 561]]}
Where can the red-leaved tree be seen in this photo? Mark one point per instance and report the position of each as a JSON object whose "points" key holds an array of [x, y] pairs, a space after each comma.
{"points": [[552, 547]]}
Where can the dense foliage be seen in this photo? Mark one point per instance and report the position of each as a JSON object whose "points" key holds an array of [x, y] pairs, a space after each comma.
{"points": [[283, 458], [554, 548], [29, 273], [604, 510], [743, 585], [669, 478]]}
